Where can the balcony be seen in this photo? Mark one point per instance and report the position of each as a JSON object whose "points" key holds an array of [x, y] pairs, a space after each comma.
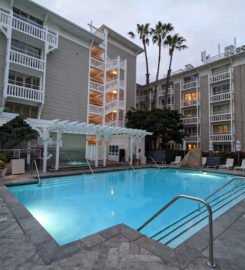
{"points": [[26, 60], [190, 120], [114, 84], [220, 77], [114, 106], [140, 98], [221, 137], [190, 103], [115, 64], [220, 117], [96, 109], [20, 25], [115, 123], [161, 92], [96, 86], [97, 63], [189, 85], [192, 138], [220, 97], [24, 93]]}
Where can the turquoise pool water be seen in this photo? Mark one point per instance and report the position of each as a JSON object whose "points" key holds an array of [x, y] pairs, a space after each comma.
{"points": [[73, 207]]}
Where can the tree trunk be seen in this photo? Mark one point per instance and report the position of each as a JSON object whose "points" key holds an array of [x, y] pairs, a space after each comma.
{"points": [[147, 65], [157, 74], [167, 82]]}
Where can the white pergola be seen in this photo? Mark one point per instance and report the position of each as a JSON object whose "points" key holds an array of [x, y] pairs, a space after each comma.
{"points": [[45, 127], [6, 117]]}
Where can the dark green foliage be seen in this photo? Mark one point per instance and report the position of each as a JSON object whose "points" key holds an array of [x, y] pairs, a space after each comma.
{"points": [[14, 132], [166, 125]]}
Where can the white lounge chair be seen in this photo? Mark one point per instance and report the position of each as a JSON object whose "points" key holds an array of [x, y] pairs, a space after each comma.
{"points": [[204, 161], [228, 165], [177, 161], [242, 167]]}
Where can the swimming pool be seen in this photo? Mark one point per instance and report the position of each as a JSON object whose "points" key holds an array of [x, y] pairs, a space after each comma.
{"points": [[72, 207]]}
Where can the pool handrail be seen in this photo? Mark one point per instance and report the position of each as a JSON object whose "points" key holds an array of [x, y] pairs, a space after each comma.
{"points": [[222, 187], [90, 166], [38, 176], [210, 262], [154, 162], [132, 167]]}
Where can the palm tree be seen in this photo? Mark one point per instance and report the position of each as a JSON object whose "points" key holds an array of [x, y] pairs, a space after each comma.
{"points": [[143, 31], [159, 34], [175, 42]]}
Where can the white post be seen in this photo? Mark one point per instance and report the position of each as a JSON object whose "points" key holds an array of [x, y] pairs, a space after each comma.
{"points": [[97, 151], [28, 158], [45, 155], [106, 140], [57, 153], [131, 149]]}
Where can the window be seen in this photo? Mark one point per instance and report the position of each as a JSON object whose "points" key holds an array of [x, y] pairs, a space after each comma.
{"points": [[190, 113], [190, 98], [191, 78], [221, 129], [190, 131], [27, 17], [220, 89], [113, 150], [21, 47], [223, 108], [222, 147], [24, 80]]}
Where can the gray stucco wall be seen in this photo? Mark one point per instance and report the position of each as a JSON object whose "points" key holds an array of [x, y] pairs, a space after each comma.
{"points": [[67, 82], [3, 43], [239, 101], [204, 88], [113, 52]]}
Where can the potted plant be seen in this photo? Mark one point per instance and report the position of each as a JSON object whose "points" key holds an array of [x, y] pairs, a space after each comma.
{"points": [[3, 168]]}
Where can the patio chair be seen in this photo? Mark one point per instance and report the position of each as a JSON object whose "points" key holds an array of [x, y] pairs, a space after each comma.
{"points": [[213, 162], [177, 161], [204, 161], [242, 167], [228, 165]]}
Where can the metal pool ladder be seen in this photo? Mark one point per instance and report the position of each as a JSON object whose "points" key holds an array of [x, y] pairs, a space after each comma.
{"points": [[38, 176], [154, 162], [90, 166], [210, 221]]}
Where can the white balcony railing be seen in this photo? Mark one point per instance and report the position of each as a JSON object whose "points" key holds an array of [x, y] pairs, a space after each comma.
{"points": [[115, 123], [111, 106], [115, 64], [220, 77], [189, 85], [25, 93], [220, 117], [4, 18], [221, 137], [26, 60], [190, 103], [161, 92], [140, 98], [96, 86], [192, 138], [96, 109], [97, 63], [190, 120], [220, 97], [40, 33], [114, 85]]}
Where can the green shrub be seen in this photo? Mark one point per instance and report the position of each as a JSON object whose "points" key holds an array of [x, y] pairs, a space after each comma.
{"points": [[3, 158]]}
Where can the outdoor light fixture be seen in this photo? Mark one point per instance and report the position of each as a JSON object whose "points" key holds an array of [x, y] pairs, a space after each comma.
{"points": [[114, 72], [114, 91], [114, 111], [238, 149]]}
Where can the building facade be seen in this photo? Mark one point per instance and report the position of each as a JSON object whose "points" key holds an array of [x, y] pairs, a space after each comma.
{"points": [[210, 97], [51, 68]]}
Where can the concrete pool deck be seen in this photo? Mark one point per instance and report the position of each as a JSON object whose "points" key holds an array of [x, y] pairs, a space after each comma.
{"points": [[24, 244]]}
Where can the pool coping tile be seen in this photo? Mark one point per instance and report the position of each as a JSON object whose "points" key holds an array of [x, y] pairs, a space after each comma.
{"points": [[181, 256]]}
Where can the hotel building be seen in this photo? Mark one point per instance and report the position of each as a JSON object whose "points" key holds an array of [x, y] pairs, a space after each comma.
{"points": [[51, 68], [210, 97]]}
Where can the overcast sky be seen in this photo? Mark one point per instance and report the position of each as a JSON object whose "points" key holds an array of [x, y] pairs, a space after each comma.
{"points": [[204, 23]]}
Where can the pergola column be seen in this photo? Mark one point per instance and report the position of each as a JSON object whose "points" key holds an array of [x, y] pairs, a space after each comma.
{"points": [[131, 149], [98, 138], [45, 137], [57, 153], [106, 140]]}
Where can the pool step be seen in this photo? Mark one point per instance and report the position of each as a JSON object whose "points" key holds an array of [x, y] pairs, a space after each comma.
{"points": [[181, 229]]}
